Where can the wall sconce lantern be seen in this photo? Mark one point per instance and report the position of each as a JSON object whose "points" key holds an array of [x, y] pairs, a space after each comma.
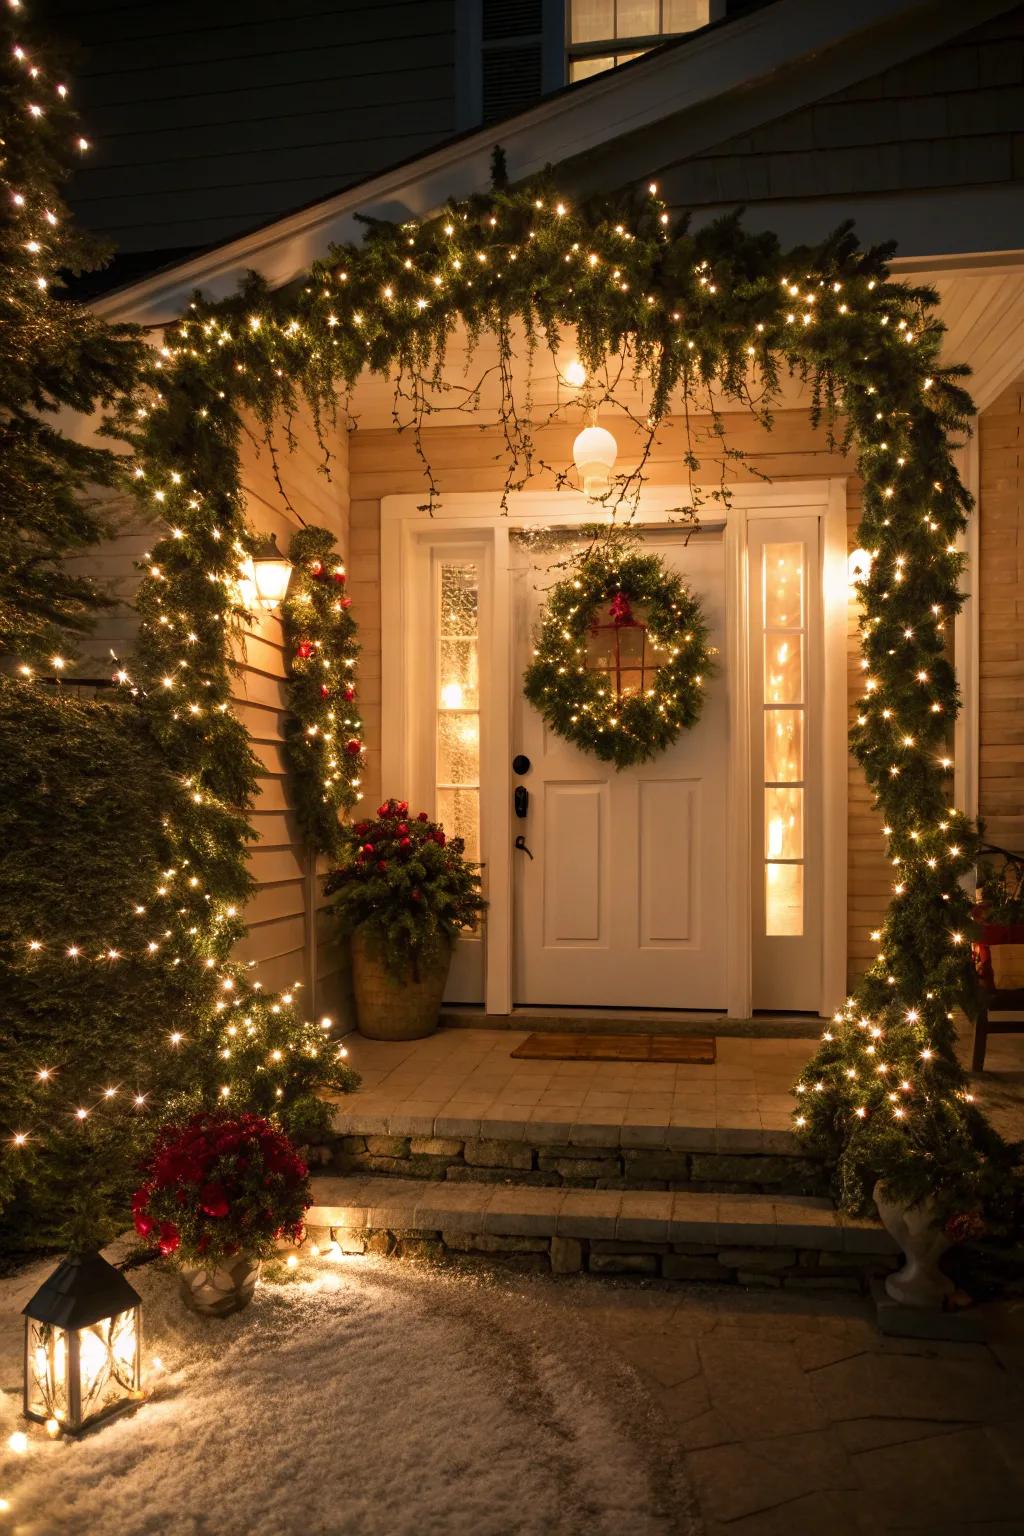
{"points": [[271, 572], [83, 1345], [594, 453]]}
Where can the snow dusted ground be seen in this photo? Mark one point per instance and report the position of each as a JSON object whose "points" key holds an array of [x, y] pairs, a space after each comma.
{"points": [[361, 1396]]}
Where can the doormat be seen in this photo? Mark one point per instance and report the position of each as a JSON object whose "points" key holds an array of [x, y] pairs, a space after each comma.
{"points": [[693, 1050]]}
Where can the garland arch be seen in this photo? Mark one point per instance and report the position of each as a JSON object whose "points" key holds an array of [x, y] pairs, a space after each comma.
{"points": [[684, 310]]}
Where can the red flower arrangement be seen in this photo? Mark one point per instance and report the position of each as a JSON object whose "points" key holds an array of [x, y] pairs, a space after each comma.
{"points": [[219, 1186], [965, 1226]]}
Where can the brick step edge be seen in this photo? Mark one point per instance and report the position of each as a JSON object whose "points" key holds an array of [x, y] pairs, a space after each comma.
{"points": [[648, 1216], [776, 1141], [571, 1165]]}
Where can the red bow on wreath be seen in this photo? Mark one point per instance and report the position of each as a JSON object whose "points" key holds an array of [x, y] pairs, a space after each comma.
{"points": [[620, 611]]}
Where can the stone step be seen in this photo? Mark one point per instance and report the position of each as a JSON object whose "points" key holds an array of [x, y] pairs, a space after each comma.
{"points": [[583, 1021], [800, 1242]]}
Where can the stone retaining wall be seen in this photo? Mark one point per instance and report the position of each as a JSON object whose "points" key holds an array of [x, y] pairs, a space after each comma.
{"points": [[579, 1167], [788, 1268]]}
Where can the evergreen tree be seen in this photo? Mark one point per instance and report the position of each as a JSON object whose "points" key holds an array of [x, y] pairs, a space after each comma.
{"points": [[55, 355]]}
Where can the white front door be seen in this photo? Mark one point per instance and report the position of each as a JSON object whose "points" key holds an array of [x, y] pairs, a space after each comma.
{"points": [[622, 903]]}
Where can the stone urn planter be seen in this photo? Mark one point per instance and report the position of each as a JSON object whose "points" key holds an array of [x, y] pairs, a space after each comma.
{"points": [[389, 1007], [222, 1288], [920, 1283]]}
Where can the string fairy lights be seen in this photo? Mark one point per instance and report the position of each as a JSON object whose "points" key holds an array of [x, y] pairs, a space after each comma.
{"points": [[717, 306]]}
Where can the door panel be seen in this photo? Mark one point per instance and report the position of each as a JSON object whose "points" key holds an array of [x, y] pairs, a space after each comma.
{"points": [[623, 902], [575, 842], [669, 860]]}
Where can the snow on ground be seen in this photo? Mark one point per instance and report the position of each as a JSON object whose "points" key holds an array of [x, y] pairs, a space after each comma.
{"points": [[362, 1397]]}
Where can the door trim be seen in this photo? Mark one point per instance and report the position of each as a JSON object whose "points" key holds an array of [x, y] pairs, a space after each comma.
{"points": [[406, 527]]}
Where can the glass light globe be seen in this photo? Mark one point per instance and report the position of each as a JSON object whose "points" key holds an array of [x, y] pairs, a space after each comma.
{"points": [[594, 453]]}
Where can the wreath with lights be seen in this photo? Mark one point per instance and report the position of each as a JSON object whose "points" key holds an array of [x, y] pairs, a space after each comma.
{"points": [[646, 682]]}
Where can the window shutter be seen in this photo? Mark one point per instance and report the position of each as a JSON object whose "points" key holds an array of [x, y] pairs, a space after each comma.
{"points": [[512, 52]]}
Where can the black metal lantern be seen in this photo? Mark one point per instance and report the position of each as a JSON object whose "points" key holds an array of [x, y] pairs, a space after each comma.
{"points": [[83, 1345]]}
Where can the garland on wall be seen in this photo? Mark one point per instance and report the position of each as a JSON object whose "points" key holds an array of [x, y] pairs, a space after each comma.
{"points": [[683, 312], [645, 682], [323, 732]]}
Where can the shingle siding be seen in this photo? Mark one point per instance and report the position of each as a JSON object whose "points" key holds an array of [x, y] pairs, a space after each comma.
{"points": [[954, 117]]}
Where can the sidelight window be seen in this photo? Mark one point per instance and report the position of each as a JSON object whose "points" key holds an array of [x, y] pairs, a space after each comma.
{"points": [[457, 707]]}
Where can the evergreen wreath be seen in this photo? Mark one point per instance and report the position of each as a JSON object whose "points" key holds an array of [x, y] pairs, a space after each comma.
{"points": [[587, 704]]}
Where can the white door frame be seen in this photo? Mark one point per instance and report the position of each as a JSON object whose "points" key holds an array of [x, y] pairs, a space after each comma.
{"points": [[473, 518]]}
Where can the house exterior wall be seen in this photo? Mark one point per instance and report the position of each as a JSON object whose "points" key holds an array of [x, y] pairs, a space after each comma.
{"points": [[288, 908], [1001, 586], [279, 916], [384, 463], [207, 120], [927, 152]]}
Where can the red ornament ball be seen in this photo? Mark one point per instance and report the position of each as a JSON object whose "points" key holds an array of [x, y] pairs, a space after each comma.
{"points": [[402, 807], [353, 746], [439, 838], [325, 692], [406, 842], [422, 816], [382, 865], [346, 602], [417, 895], [367, 850], [348, 692], [402, 828], [304, 650], [382, 810], [339, 577]]}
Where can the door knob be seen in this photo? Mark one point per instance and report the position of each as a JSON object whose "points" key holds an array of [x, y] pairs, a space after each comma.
{"points": [[520, 843], [521, 763]]}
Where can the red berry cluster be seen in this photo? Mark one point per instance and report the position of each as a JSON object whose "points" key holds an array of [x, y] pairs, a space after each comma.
{"points": [[395, 836], [221, 1185]]}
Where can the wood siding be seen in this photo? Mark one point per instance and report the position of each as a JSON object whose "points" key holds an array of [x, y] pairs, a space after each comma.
{"points": [[383, 463], [951, 117], [1001, 611], [279, 937], [207, 120]]}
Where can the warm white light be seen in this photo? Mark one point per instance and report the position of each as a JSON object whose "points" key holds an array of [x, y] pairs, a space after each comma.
{"points": [[271, 573], [451, 696], [594, 453], [859, 565], [575, 374]]}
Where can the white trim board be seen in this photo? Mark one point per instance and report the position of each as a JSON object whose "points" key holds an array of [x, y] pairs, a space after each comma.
{"points": [[474, 517]]}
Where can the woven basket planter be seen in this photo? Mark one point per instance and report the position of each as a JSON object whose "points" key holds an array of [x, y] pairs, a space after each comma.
{"points": [[392, 1008]]}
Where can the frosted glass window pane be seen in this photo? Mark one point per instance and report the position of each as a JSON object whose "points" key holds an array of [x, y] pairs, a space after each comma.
{"points": [[458, 749], [783, 586], [783, 669], [784, 823], [784, 900], [783, 745], [592, 21], [583, 69], [458, 681], [684, 15], [637, 18], [460, 598], [458, 811]]}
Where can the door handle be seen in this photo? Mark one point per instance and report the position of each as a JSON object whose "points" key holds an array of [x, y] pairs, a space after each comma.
{"points": [[520, 843]]}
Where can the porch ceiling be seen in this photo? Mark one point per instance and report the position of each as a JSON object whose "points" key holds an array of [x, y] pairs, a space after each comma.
{"points": [[982, 305]]}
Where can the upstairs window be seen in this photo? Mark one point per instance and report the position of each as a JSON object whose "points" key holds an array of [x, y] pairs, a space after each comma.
{"points": [[601, 34]]}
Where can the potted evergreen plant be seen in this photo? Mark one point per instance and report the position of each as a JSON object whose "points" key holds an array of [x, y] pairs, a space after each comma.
{"points": [[404, 893], [219, 1193]]}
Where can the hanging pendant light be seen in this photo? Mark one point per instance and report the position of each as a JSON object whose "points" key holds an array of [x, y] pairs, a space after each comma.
{"points": [[594, 453]]}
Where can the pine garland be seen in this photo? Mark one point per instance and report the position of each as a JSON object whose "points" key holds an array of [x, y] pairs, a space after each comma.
{"points": [[323, 741], [580, 703]]}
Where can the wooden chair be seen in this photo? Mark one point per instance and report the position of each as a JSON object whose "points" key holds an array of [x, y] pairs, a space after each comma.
{"points": [[990, 997]]}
